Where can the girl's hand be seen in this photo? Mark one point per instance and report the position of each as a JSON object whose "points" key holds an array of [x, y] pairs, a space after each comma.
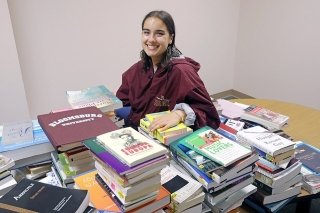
{"points": [[166, 121]]}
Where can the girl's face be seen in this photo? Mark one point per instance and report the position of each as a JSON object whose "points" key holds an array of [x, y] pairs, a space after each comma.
{"points": [[155, 38]]}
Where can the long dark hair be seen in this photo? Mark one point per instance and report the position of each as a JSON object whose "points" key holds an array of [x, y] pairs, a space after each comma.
{"points": [[172, 51]]}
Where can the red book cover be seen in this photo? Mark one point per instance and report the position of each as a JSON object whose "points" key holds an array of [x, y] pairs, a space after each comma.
{"points": [[73, 126]]}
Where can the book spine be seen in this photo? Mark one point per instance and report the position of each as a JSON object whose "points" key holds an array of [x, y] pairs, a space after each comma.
{"points": [[264, 179], [263, 186]]}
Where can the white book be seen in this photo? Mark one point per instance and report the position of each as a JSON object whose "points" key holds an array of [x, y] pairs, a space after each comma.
{"points": [[268, 142], [130, 146]]}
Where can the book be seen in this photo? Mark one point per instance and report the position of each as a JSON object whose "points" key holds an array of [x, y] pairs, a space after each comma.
{"points": [[215, 146], [272, 207], [120, 167], [130, 146], [6, 163], [266, 117], [99, 96], [311, 183], [276, 170], [33, 196], [264, 198], [309, 156], [17, 132], [68, 129], [230, 109], [264, 140], [6, 184], [182, 187], [277, 159], [98, 197]]}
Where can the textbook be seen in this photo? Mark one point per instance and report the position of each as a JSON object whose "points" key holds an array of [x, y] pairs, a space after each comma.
{"points": [[130, 146], [68, 129], [265, 117], [269, 142], [215, 146], [33, 196], [98, 96]]}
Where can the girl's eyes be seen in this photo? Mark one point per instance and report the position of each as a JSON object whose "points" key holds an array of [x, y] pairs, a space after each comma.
{"points": [[158, 34]]}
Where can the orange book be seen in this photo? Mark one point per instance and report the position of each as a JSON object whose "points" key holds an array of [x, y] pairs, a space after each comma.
{"points": [[98, 197]]}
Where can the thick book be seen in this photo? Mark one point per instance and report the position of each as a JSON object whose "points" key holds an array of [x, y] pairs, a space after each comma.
{"points": [[269, 142], [130, 146], [33, 196], [98, 96], [74, 126], [265, 117], [215, 146], [120, 167], [309, 156], [98, 197]]}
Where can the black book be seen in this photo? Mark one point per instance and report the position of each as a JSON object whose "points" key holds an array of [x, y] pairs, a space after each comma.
{"points": [[33, 196]]}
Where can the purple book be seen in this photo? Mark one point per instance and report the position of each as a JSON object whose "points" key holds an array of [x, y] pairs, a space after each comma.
{"points": [[118, 166]]}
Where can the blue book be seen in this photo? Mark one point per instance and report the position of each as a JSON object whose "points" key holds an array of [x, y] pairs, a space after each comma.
{"points": [[309, 156], [37, 137]]}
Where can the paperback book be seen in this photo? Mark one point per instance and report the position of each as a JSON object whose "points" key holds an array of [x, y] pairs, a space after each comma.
{"points": [[215, 146], [130, 146], [309, 156]]}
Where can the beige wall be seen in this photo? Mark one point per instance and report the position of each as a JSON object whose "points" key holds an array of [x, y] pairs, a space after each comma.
{"points": [[13, 103], [72, 44], [278, 50]]}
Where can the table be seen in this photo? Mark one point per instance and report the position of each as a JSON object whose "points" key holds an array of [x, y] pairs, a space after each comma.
{"points": [[303, 125]]}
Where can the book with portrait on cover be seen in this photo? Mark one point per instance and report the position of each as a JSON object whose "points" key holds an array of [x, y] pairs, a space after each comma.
{"points": [[67, 128], [33, 196], [215, 146], [130, 146]]}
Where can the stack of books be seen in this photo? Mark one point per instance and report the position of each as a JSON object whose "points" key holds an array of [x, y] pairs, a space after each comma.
{"points": [[205, 154], [25, 142], [98, 96], [278, 176], [163, 136], [6, 179], [309, 157], [265, 117], [66, 131], [128, 167]]}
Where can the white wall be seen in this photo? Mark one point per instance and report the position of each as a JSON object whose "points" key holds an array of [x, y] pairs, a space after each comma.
{"points": [[278, 50], [73, 44], [13, 103]]}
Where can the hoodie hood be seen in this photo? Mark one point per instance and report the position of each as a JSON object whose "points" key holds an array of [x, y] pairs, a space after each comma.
{"points": [[187, 61]]}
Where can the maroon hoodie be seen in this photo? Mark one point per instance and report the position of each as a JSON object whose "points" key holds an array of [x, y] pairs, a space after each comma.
{"points": [[148, 92]]}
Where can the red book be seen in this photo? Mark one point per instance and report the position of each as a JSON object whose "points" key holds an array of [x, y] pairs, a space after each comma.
{"points": [[68, 129]]}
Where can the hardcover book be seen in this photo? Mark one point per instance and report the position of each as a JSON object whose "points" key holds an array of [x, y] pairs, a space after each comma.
{"points": [[33, 196], [265, 117], [130, 146], [74, 126], [264, 140], [309, 156], [215, 146], [98, 96]]}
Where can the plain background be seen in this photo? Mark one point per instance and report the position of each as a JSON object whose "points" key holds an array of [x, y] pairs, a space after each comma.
{"points": [[266, 49]]}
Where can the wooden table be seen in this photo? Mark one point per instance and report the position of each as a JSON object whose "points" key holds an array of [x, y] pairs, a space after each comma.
{"points": [[303, 125]]}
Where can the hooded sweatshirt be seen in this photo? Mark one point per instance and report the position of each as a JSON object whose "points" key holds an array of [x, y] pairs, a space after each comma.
{"points": [[149, 92]]}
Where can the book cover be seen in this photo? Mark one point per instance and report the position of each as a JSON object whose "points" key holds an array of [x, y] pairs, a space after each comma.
{"points": [[130, 146], [98, 197], [309, 156], [264, 140], [265, 117], [25, 140], [119, 167], [98, 96], [33, 196], [215, 146], [74, 126]]}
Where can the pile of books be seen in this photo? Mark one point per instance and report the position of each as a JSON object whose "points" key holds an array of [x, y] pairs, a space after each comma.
{"points": [[163, 136], [309, 157], [206, 155], [128, 168], [99, 96], [278, 176], [6, 179], [66, 131]]}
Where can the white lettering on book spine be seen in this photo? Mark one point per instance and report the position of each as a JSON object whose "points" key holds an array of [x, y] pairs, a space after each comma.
{"points": [[89, 117], [23, 192]]}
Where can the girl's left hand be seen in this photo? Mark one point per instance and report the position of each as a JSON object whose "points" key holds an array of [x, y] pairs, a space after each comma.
{"points": [[166, 121]]}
